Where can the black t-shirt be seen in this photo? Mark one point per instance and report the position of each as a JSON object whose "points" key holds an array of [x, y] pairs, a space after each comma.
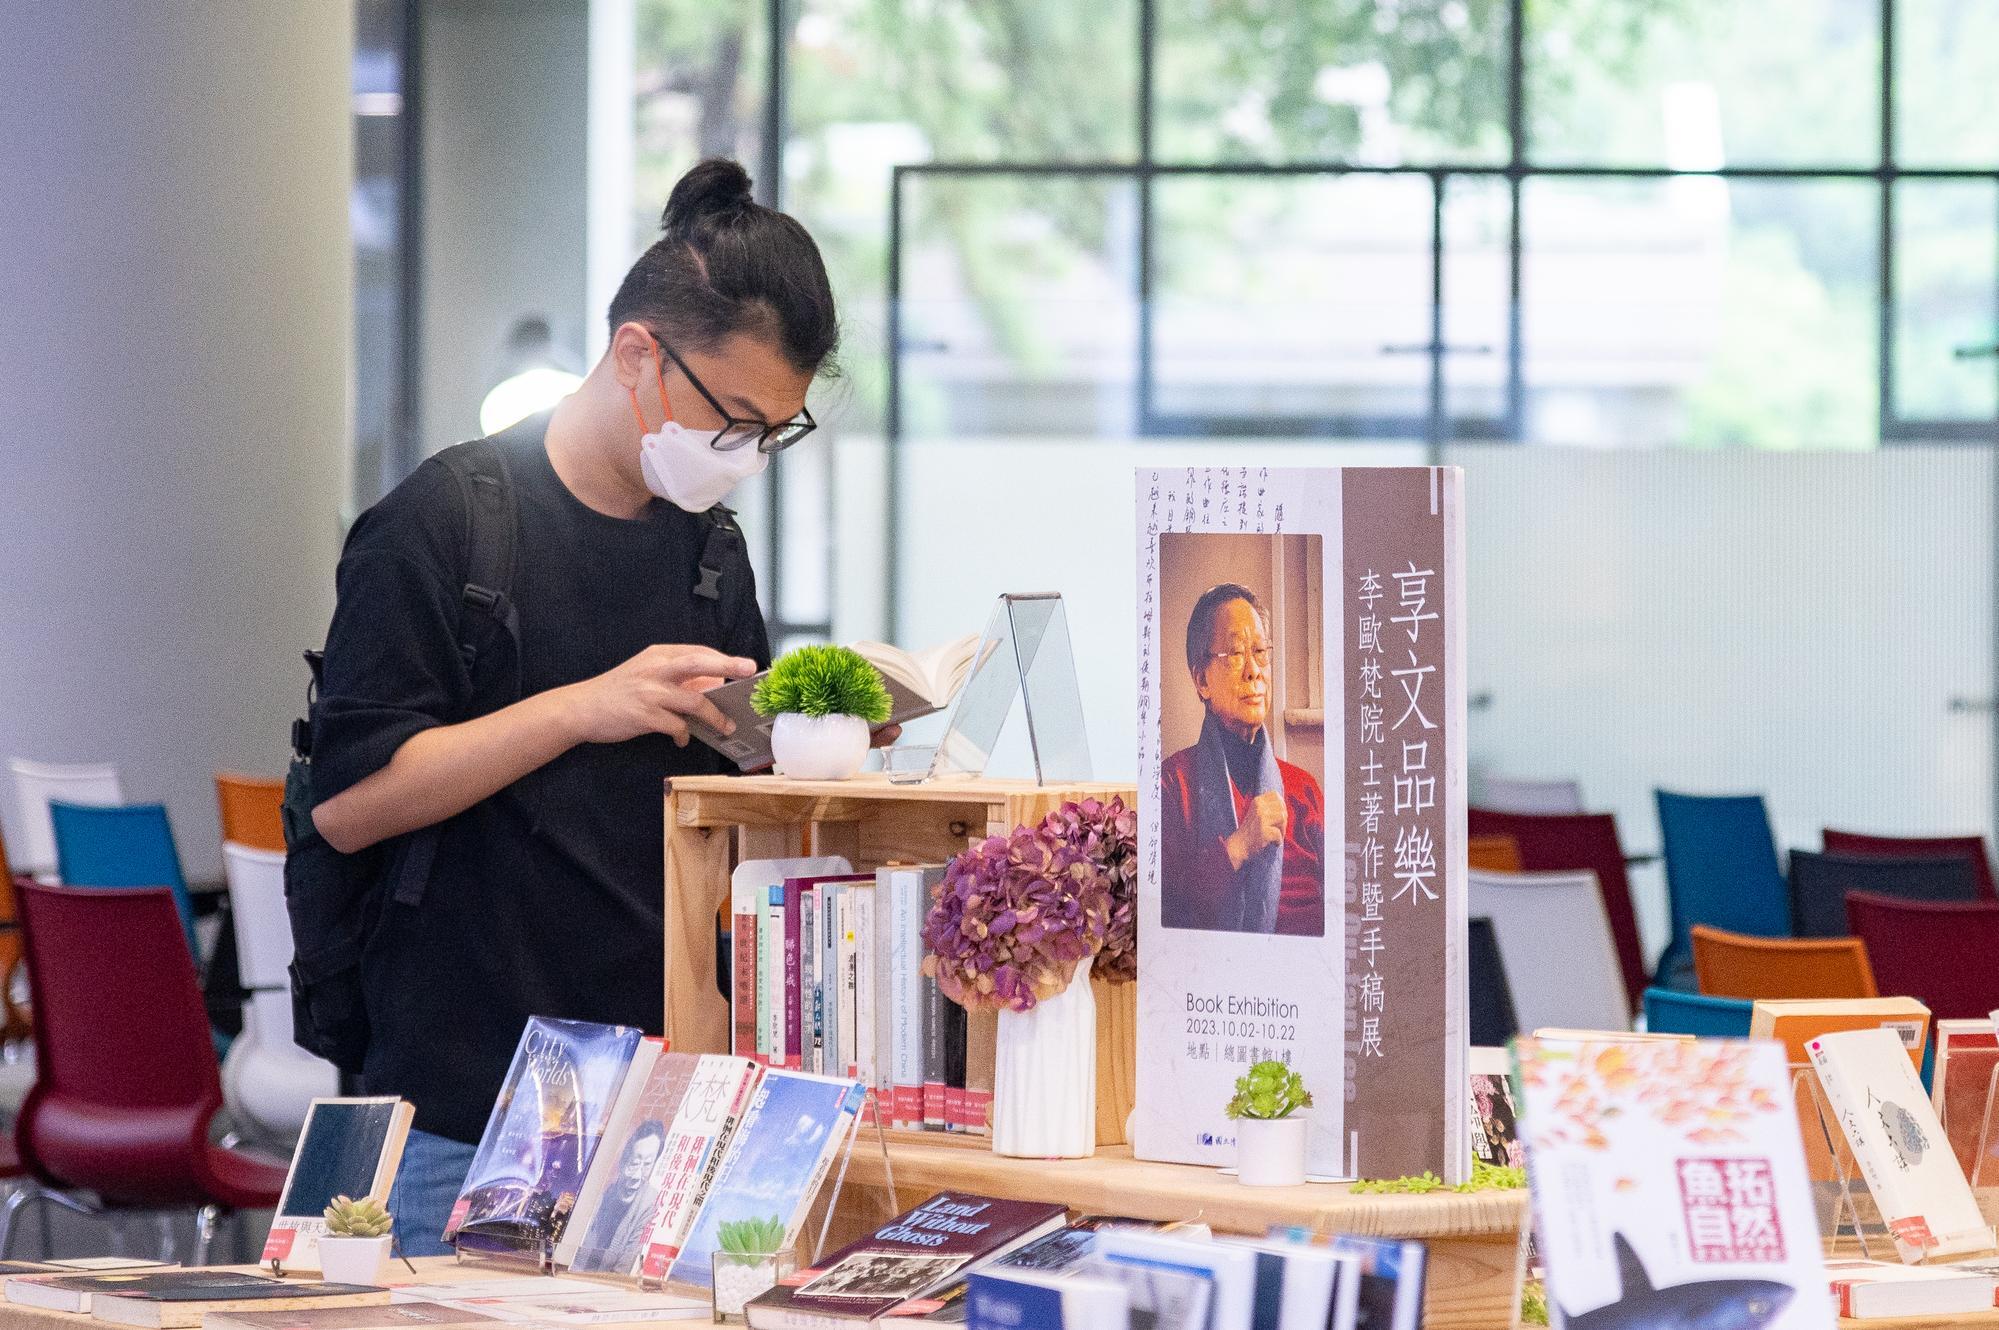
{"points": [[546, 899]]}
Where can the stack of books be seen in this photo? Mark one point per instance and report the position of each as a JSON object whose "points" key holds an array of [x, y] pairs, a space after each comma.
{"points": [[828, 979]]}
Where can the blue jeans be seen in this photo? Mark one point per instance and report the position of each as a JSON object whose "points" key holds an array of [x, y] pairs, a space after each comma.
{"points": [[427, 1185]]}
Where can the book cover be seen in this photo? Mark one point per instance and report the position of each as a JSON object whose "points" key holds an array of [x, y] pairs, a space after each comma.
{"points": [[615, 1215], [1301, 728], [863, 902], [905, 892], [1668, 1182], [1795, 1022], [833, 1061], [791, 915], [1896, 1139], [414, 1315], [896, 1267], [479, 1290], [1495, 1137], [1388, 1286], [347, 1147], [1230, 1270], [1013, 1299], [844, 963], [811, 1036], [953, 1024], [1866, 1290], [538, 1143], [599, 1306], [1961, 1087], [775, 1161], [1161, 1294], [170, 1299], [717, 1097], [981, 1055], [748, 882], [770, 976], [1055, 1251]]}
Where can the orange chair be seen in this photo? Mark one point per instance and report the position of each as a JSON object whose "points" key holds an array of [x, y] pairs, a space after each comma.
{"points": [[250, 810], [1494, 854], [1736, 965]]}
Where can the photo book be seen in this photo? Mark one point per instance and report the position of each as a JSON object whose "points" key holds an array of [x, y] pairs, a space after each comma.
{"points": [[542, 1134], [1301, 729], [607, 1231], [347, 1147]]}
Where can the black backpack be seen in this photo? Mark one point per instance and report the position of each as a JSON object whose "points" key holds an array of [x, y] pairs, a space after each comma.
{"points": [[335, 899]]}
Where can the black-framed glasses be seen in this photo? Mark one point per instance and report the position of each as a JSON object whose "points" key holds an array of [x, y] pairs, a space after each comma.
{"points": [[739, 431]]}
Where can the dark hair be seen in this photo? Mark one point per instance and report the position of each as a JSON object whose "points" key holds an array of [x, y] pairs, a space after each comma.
{"points": [[1201, 619], [650, 1127], [727, 264]]}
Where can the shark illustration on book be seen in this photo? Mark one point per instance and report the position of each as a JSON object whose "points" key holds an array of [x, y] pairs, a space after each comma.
{"points": [[1707, 1304]]}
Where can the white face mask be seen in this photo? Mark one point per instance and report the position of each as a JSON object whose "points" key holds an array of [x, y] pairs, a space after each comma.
{"points": [[682, 465]]}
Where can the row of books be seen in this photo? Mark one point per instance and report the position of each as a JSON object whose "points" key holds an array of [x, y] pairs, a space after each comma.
{"points": [[1677, 1179], [606, 1153], [961, 1258], [827, 978]]}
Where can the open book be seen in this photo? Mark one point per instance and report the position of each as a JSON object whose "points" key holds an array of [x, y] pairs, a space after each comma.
{"points": [[919, 684]]}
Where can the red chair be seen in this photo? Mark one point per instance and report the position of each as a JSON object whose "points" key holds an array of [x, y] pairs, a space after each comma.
{"points": [[1970, 848], [1938, 952], [1557, 842], [127, 1082]]}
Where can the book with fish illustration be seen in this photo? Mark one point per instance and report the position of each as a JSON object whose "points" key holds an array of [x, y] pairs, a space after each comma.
{"points": [[1669, 1186], [1900, 1146]]}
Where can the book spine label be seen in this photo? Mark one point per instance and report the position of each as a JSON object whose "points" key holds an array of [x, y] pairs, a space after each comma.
{"points": [[794, 1026], [743, 984], [933, 1053], [810, 1038], [770, 978]]}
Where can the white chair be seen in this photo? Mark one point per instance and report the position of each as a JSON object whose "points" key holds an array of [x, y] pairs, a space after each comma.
{"points": [[268, 1081], [1515, 794], [1555, 946], [35, 785]]}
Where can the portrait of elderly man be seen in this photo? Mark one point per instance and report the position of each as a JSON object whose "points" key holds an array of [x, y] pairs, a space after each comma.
{"points": [[1242, 832]]}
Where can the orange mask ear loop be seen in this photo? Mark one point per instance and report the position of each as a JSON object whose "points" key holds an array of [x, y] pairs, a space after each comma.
{"points": [[665, 402]]}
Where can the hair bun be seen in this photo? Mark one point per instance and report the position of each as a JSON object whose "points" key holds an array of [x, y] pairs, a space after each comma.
{"points": [[715, 188]]}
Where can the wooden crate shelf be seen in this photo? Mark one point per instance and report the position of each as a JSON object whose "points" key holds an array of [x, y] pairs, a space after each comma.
{"points": [[715, 822]]}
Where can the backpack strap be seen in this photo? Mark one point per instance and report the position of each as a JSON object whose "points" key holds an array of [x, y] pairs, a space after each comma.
{"points": [[725, 553], [492, 527]]}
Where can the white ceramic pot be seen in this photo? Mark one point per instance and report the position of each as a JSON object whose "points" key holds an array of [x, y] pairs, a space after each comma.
{"points": [[1045, 1076], [818, 747], [1270, 1152], [354, 1260]]}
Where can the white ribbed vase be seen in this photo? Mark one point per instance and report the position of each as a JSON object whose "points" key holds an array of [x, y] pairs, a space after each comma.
{"points": [[1045, 1076]]}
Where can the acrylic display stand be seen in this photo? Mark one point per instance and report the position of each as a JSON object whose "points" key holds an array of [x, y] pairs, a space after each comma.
{"points": [[1849, 1222], [1024, 654], [1984, 1171]]}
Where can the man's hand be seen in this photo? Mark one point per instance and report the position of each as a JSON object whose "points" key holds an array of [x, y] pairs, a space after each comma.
{"points": [[1263, 825], [653, 693]]}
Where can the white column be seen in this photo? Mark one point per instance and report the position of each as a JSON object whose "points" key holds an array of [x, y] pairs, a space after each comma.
{"points": [[175, 326]]}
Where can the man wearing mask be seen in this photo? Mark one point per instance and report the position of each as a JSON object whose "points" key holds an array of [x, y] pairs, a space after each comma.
{"points": [[544, 893]]}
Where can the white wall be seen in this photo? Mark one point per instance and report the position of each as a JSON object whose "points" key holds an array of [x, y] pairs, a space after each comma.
{"points": [[505, 166], [175, 320], [1789, 623]]}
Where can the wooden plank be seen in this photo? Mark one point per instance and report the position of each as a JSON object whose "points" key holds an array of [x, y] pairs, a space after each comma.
{"points": [[841, 838], [875, 785], [697, 884], [1473, 1283], [774, 840], [919, 833], [1117, 1059], [747, 807]]}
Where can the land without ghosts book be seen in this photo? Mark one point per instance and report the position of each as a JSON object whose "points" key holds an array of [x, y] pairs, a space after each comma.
{"points": [[893, 1268], [1669, 1185], [541, 1136]]}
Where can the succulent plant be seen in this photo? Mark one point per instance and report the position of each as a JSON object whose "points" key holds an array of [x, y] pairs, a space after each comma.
{"points": [[1269, 1090], [347, 1218], [823, 681], [750, 1240]]}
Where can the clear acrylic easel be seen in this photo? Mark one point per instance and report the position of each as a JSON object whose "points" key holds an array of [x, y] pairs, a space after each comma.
{"points": [[1849, 1222], [1025, 653], [1984, 1171], [867, 1124]]}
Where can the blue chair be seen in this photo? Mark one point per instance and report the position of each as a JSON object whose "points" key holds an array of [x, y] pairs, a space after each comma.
{"points": [[122, 845], [1669, 1011], [1721, 870]]}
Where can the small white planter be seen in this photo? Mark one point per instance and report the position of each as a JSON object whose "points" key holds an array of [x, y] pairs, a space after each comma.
{"points": [[818, 747], [1270, 1152], [354, 1260]]}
